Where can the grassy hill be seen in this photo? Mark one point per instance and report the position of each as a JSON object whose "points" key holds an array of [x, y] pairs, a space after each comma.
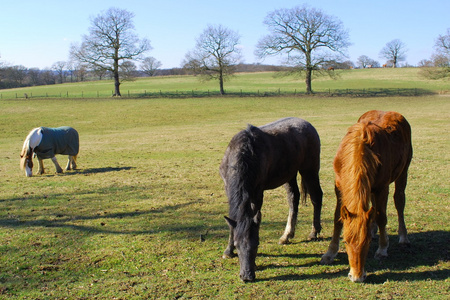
{"points": [[362, 80]]}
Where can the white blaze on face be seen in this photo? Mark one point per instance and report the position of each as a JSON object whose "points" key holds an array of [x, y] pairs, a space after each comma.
{"points": [[28, 171]]}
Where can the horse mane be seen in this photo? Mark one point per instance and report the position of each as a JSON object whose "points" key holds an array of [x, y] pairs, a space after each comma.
{"points": [[358, 166], [244, 163], [31, 141], [25, 153]]}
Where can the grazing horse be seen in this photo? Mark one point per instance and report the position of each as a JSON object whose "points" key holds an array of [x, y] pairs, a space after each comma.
{"points": [[263, 158], [375, 152], [45, 143]]}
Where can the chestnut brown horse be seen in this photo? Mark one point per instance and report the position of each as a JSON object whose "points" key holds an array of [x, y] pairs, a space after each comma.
{"points": [[375, 152]]}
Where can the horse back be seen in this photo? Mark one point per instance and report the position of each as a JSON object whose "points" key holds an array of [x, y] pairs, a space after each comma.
{"points": [[386, 136], [62, 140], [272, 154], [293, 139]]}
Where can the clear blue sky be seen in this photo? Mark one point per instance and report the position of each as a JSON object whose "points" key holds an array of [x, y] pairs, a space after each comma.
{"points": [[39, 33]]}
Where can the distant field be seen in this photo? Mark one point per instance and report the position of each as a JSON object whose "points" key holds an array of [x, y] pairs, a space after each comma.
{"points": [[143, 215], [364, 82]]}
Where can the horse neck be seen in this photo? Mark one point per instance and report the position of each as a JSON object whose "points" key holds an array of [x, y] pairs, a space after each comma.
{"points": [[358, 168], [34, 138]]}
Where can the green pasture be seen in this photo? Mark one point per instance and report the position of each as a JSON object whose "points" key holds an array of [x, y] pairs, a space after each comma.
{"points": [[365, 82], [142, 217]]}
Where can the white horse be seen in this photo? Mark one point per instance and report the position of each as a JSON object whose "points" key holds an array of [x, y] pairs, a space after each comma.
{"points": [[45, 142]]}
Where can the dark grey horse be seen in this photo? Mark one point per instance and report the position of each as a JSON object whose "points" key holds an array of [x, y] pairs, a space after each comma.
{"points": [[263, 158]]}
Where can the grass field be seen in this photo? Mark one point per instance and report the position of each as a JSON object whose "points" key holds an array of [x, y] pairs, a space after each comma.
{"points": [[404, 81], [143, 215]]}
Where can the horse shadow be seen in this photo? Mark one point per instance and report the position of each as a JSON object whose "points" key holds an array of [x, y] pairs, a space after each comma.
{"points": [[427, 249], [99, 170]]}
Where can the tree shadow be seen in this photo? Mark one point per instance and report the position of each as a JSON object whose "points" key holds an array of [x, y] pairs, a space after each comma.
{"points": [[160, 218]]}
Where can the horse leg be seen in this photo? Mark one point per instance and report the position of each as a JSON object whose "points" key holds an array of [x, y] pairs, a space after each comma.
{"points": [[74, 162], [68, 163], [229, 252], [381, 197], [71, 164], [57, 166], [311, 185], [333, 248], [293, 195], [40, 170], [399, 200]]}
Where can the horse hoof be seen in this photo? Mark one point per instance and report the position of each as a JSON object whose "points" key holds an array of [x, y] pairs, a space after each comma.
{"points": [[380, 255], [313, 237], [228, 255], [284, 242], [326, 260]]}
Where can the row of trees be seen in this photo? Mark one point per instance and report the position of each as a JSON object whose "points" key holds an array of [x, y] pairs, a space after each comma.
{"points": [[393, 52], [312, 42]]}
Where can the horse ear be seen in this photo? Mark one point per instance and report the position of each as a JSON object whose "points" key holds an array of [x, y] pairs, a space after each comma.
{"points": [[257, 217], [345, 214], [371, 214], [231, 223]]}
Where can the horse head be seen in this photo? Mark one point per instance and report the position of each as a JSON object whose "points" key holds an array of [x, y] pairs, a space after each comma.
{"points": [[357, 238], [26, 161], [246, 241]]}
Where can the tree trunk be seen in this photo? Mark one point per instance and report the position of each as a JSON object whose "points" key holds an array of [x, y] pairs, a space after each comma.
{"points": [[116, 74], [222, 91], [309, 70], [116, 84], [308, 80]]}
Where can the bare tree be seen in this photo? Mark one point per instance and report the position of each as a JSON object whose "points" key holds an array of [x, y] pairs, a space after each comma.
{"points": [[128, 70], [215, 54], [443, 44], [110, 42], [59, 67], [364, 61], [308, 36], [150, 65], [439, 66], [394, 52]]}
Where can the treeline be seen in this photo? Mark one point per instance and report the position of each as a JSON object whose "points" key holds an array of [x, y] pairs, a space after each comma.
{"points": [[20, 76]]}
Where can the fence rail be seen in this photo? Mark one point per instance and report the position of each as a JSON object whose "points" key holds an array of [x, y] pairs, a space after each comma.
{"points": [[374, 92]]}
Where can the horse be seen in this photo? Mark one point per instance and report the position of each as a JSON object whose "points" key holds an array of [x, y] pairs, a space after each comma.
{"points": [[45, 142], [263, 158], [375, 152]]}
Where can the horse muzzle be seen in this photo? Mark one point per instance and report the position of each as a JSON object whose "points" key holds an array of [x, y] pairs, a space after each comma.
{"points": [[28, 171], [248, 276], [356, 278]]}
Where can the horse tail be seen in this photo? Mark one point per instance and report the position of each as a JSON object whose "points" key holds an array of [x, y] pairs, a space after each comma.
{"points": [[358, 167]]}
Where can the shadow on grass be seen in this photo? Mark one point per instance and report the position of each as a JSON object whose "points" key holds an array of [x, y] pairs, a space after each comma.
{"points": [[90, 171], [427, 249], [102, 227], [101, 170]]}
